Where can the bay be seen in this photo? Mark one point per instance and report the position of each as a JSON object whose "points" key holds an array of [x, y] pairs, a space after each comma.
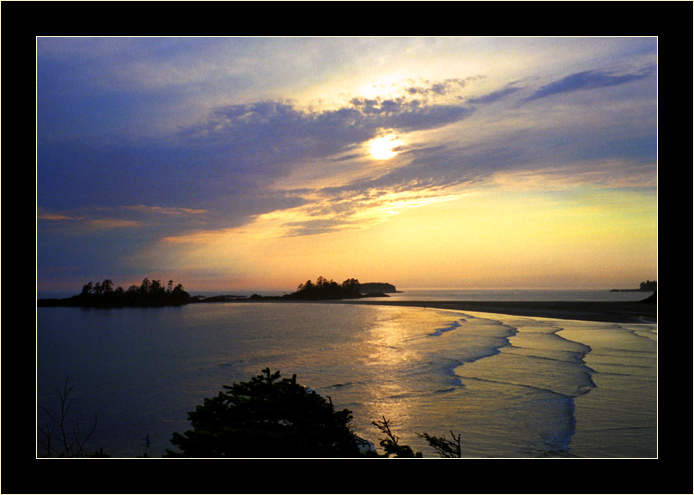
{"points": [[511, 386]]}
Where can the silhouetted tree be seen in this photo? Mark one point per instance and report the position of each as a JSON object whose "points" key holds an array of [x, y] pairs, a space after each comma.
{"points": [[179, 295], [55, 437], [351, 285], [87, 290], [149, 293], [132, 294], [119, 295], [326, 289], [267, 417], [144, 287], [648, 285], [107, 286], [391, 444], [444, 447]]}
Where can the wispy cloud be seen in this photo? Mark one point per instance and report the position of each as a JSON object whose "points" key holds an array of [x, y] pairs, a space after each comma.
{"points": [[105, 218], [330, 211], [53, 217], [165, 211], [590, 79]]}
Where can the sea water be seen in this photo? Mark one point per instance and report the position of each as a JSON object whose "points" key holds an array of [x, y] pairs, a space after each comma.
{"points": [[509, 386]]}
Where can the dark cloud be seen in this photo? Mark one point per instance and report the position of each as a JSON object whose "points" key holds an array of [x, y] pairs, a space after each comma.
{"points": [[493, 97], [589, 79], [259, 125], [225, 164]]}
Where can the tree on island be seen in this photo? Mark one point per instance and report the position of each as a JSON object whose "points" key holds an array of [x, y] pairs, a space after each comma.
{"points": [[327, 289], [648, 285], [148, 293]]}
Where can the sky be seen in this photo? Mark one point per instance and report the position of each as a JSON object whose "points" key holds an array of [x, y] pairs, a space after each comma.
{"points": [[259, 163]]}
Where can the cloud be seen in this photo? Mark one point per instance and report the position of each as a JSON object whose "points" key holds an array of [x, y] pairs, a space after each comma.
{"points": [[88, 219], [442, 88], [589, 79], [166, 211], [53, 217], [342, 209], [320, 132], [221, 170], [113, 223], [226, 162], [493, 96], [551, 156], [219, 173]]}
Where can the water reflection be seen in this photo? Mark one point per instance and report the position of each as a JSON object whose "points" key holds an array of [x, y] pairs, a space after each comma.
{"points": [[394, 355]]}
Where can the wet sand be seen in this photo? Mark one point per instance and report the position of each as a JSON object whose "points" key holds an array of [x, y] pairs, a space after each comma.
{"points": [[616, 312]]}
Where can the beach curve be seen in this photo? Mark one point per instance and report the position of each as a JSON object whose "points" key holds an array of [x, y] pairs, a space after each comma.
{"points": [[602, 311]]}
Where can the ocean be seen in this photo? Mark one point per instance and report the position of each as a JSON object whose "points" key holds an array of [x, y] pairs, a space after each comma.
{"points": [[512, 387]]}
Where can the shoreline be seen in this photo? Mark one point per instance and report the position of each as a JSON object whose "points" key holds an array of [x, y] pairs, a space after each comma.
{"points": [[607, 311], [602, 311]]}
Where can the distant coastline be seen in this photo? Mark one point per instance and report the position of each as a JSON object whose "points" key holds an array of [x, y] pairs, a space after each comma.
{"points": [[647, 286]]}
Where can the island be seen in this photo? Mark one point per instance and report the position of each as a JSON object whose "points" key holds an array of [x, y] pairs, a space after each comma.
{"points": [[154, 293], [103, 295], [647, 286], [326, 290]]}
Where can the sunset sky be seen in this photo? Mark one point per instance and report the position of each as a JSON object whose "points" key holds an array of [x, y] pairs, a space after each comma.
{"points": [[258, 163]]}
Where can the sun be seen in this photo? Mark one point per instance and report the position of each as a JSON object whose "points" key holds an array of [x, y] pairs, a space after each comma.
{"points": [[384, 147]]}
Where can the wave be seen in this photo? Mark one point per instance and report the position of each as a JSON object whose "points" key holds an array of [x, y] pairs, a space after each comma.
{"points": [[445, 390], [537, 371], [346, 384], [440, 331], [547, 417], [557, 435]]}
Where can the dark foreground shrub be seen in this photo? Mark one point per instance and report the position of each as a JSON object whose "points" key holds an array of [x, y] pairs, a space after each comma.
{"points": [[268, 416]]}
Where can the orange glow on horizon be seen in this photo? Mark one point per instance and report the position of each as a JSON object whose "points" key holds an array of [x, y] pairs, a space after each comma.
{"points": [[489, 239]]}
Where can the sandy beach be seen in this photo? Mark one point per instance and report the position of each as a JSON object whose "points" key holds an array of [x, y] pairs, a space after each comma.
{"points": [[616, 312]]}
